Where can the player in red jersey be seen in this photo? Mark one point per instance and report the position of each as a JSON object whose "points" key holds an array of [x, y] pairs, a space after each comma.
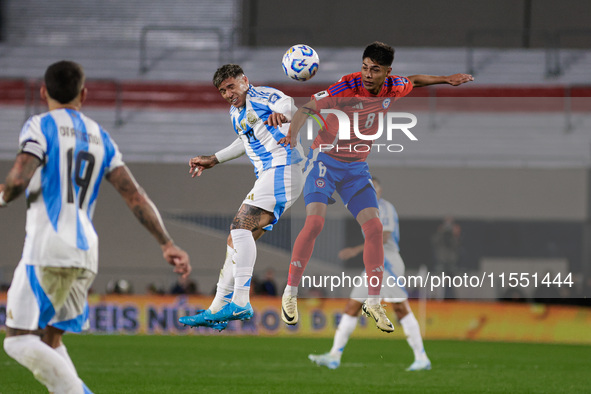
{"points": [[337, 163]]}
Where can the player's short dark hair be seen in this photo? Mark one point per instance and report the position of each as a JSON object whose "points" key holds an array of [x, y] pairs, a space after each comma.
{"points": [[382, 54], [64, 81], [226, 71]]}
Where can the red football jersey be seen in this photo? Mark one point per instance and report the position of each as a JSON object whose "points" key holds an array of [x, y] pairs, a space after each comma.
{"points": [[349, 96]]}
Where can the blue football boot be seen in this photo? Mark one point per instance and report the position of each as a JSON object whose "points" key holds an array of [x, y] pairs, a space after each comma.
{"points": [[231, 311], [203, 318]]}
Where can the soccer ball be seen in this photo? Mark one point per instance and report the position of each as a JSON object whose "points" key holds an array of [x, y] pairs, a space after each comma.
{"points": [[300, 62]]}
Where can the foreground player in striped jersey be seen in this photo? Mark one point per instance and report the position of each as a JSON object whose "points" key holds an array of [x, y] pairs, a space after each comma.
{"points": [[258, 115], [397, 296], [338, 164], [63, 158]]}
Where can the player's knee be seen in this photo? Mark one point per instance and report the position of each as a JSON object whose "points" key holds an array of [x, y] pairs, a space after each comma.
{"points": [[373, 229], [314, 225]]}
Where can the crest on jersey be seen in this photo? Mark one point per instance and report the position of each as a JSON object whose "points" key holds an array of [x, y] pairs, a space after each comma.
{"points": [[242, 125], [386, 103], [320, 182], [273, 98], [251, 118]]}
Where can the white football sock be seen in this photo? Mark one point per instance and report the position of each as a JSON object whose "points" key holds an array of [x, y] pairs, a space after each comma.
{"points": [[373, 301], [341, 336], [225, 287], [45, 363], [62, 351], [411, 329], [245, 257], [291, 290]]}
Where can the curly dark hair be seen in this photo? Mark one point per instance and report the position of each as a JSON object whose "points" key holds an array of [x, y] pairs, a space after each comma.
{"points": [[226, 71]]}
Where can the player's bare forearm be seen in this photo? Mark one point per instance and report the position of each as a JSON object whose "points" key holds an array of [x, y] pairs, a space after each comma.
{"points": [[421, 80], [299, 118], [139, 203], [19, 176], [146, 212]]}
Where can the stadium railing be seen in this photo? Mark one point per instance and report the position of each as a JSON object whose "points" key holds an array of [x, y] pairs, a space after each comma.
{"points": [[561, 62], [220, 43], [487, 39], [553, 42]]}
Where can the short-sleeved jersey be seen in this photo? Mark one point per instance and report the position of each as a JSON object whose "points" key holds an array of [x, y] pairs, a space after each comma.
{"points": [[368, 107], [389, 219], [260, 140], [76, 154]]}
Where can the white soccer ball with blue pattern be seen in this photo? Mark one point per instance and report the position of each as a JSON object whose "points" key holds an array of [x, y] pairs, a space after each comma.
{"points": [[300, 62]]}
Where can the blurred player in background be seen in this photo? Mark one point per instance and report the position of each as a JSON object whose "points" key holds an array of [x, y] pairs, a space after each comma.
{"points": [[341, 166], [258, 115], [394, 268], [62, 160]]}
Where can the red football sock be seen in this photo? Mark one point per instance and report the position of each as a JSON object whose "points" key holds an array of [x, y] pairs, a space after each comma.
{"points": [[303, 248], [373, 255]]}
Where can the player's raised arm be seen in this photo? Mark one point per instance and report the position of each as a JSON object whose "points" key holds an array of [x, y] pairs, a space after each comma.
{"points": [[18, 178], [299, 118], [146, 212], [421, 80]]}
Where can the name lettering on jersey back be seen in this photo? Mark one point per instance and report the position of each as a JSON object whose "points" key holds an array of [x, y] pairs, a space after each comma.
{"points": [[72, 132]]}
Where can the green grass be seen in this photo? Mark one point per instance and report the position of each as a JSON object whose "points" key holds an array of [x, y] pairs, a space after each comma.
{"points": [[196, 364]]}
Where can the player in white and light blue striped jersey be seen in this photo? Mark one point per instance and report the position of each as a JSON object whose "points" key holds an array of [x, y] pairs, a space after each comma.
{"points": [[76, 153], [63, 158], [259, 116], [260, 138]]}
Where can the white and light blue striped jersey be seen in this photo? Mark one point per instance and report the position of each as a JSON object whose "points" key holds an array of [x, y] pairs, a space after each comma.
{"points": [[260, 140], [389, 219], [76, 154]]}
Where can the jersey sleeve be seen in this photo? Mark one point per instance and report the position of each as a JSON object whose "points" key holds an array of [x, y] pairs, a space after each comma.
{"points": [[403, 85], [232, 151], [338, 94], [282, 104], [32, 140], [113, 157]]}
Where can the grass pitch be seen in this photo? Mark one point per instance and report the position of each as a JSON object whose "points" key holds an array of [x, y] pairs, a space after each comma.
{"points": [[204, 364]]}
